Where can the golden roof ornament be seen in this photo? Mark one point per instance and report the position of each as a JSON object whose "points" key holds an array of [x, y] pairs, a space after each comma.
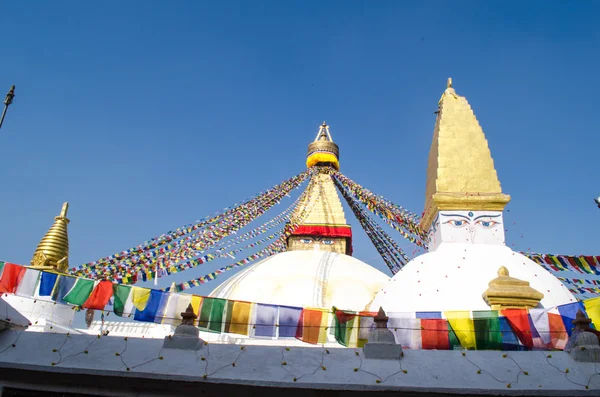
{"points": [[323, 151], [52, 253], [460, 172], [507, 292]]}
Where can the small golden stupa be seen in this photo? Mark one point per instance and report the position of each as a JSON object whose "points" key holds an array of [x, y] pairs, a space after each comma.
{"points": [[52, 253], [507, 292]]}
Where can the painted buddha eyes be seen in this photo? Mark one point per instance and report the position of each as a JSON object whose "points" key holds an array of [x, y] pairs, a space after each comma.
{"points": [[486, 224], [459, 223], [310, 241]]}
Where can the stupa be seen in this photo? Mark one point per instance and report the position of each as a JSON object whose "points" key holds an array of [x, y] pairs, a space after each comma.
{"points": [[317, 270], [463, 215], [291, 323]]}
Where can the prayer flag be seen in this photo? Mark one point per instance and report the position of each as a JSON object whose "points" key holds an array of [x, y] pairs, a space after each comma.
{"points": [[592, 307], [463, 327], [238, 317], [288, 321], [80, 292], [539, 319], [568, 313], [211, 314], [434, 334], [140, 297], [509, 339], [62, 287], [47, 283], [310, 328], [265, 320], [487, 330], [346, 328], [406, 330], [152, 308], [558, 332], [123, 305], [99, 297], [518, 319], [29, 282], [178, 303], [9, 281]]}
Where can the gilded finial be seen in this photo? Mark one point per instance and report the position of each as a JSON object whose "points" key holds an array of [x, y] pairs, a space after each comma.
{"points": [[323, 151], [52, 253], [449, 83], [503, 271], [63, 212]]}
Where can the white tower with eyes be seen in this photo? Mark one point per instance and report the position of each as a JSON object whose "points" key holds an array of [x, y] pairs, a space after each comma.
{"points": [[464, 219]]}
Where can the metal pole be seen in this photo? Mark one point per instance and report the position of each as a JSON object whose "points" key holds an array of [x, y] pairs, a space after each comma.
{"points": [[7, 102]]}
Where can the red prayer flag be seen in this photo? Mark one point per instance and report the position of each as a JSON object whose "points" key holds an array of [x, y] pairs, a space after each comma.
{"points": [[11, 277], [99, 296], [518, 319], [434, 334]]}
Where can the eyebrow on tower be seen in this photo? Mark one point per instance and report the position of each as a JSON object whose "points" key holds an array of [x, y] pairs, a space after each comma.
{"points": [[461, 216], [487, 216]]}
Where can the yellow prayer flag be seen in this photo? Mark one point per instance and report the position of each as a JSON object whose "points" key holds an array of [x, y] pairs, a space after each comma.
{"points": [[139, 297], [196, 301], [240, 317], [592, 307], [462, 325]]}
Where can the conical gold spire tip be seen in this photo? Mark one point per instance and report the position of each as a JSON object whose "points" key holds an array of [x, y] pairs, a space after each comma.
{"points": [[449, 83]]}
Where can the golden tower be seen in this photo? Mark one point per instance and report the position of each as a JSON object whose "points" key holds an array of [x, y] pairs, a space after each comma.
{"points": [[52, 253], [460, 171]]}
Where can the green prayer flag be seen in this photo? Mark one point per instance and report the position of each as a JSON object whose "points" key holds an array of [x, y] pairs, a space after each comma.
{"points": [[211, 314], [120, 294], [344, 325], [487, 330], [80, 292]]}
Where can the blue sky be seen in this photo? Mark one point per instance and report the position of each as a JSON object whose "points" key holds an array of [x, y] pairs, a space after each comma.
{"points": [[149, 115]]}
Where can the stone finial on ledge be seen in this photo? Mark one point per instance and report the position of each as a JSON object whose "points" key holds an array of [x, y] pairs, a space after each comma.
{"points": [[584, 342], [186, 336], [382, 344]]}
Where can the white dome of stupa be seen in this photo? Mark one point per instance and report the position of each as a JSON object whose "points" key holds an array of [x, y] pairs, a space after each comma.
{"points": [[318, 279], [455, 276]]}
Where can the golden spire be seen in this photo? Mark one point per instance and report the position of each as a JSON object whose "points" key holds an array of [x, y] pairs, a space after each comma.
{"points": [[460, 173], [52, 253], [323, 151], [507, 292]]}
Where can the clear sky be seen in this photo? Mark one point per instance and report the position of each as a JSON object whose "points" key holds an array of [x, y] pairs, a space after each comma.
{"points": [[148, 115]]}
